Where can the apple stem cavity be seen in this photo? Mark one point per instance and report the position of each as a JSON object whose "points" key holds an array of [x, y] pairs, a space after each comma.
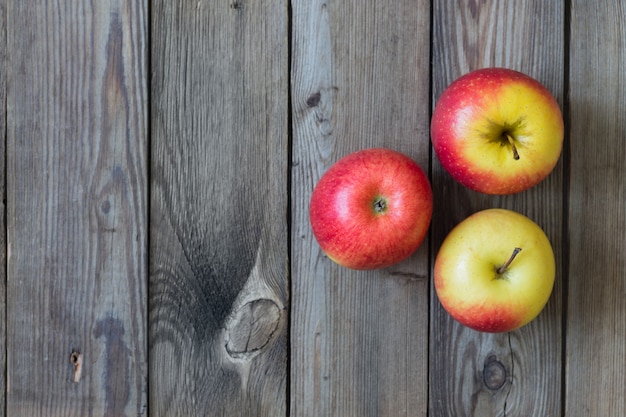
{"points": [[512, 143], [504, 267]]}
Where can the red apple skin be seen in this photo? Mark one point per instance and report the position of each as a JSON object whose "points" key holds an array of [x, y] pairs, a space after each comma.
{"points": [[344, 217], [467, 131], [487, 318]]}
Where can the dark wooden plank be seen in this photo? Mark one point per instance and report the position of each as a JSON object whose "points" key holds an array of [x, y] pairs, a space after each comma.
{"points": [[77, 208], [219, 239], [527, 36], [3, 241], [596, 312], [359, 79]]}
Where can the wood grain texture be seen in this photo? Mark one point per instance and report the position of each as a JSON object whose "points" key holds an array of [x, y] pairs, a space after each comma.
{"points": [[596, 319], [3, 241], [219, 238], [359, 79], [77, 208], [192, 298], [518, 373]]}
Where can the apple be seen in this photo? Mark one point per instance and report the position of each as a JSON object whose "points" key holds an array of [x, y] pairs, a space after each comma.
{"points": [[497, 131], [371, 209], [495, 271]]}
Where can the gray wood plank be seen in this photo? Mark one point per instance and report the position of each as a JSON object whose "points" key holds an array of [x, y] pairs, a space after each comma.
{"points": [[77, 208], [3, 157], [360, 78], [527, 36], [219, 237], [596, 309]]}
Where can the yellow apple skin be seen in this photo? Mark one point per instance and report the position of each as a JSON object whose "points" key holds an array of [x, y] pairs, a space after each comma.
{"points": [[479, 120], [466, 279]]}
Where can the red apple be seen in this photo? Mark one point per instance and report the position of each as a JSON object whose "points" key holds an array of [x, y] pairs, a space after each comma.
{"points": [[371, 209], [497, 131]]}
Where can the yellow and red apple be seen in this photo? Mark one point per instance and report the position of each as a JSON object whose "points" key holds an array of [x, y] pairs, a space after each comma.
{"points": [[371, 209], [497, 131], [495, 271]]}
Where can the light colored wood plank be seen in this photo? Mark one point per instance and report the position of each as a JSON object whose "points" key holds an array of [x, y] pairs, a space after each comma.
{"points": [[596, 312], [359, 79], [526, 364], [219, 238], [77, 208]]}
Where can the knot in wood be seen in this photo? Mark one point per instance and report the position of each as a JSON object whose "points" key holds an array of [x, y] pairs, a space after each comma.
{"points": [[314, 99], [494, 374], [105, 206], [251, 328]]}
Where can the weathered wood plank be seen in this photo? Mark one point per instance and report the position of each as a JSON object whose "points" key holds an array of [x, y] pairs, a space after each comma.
{"points": [[3, 247], [219, 238], [77, 208], [359, 79], [596, 312], [522, 368]]}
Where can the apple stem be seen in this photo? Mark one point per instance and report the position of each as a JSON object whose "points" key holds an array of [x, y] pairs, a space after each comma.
{"points": [[507, 263], [512, 142]]}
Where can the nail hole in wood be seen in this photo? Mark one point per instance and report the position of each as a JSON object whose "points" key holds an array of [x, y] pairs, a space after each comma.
{"points": [[76, 359]]}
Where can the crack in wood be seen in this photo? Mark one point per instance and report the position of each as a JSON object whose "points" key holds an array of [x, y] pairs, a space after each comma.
{"points": [[506, 398], [409, 275]]}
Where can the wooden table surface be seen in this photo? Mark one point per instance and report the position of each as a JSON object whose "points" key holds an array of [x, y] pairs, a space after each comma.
{"points": [[157, 163]]}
